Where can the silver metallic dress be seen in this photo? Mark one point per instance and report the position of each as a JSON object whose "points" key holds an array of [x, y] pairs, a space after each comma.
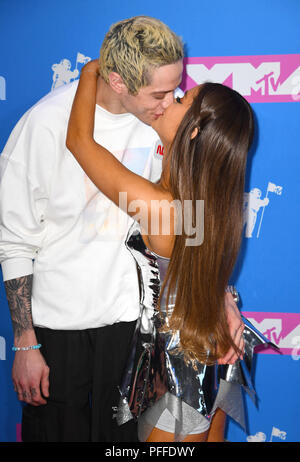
{"points": [[157, 377]]}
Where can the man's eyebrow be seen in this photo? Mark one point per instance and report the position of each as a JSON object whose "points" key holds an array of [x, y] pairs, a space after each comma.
{"points": [[163, 92]]}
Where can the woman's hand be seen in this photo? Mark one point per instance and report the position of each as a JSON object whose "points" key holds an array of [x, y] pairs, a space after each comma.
{"points": [[236, 328]]}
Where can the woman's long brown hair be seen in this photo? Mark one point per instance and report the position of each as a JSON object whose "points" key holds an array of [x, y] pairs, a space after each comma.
{"points": [[210, 167]]}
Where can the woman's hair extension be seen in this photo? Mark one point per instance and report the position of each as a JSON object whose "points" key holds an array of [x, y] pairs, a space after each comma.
{"points": [[209, 167]]}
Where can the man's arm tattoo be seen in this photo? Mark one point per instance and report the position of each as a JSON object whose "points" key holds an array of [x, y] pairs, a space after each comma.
{"points": [[18, 293]]}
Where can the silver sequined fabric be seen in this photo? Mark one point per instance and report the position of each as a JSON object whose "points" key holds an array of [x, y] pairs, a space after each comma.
{"points": [[158, 378]]}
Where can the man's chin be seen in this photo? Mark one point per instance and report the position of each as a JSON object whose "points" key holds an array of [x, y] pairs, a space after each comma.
{"points": [[147, 120]]}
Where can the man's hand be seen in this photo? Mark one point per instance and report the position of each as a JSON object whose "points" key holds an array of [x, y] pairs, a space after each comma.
{"points": [[30, 376], [30, 372], [236, 328]]}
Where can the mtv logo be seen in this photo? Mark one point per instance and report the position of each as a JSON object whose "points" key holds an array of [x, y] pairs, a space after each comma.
{"points": [[283, 329], [244, 76], [265, 78], [270, 328]]}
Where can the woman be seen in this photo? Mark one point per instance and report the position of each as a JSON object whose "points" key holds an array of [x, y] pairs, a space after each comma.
{"points": [[182, 331]]}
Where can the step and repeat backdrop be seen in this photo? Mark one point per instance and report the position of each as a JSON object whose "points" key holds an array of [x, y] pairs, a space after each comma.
{"points": [[253, 47]]}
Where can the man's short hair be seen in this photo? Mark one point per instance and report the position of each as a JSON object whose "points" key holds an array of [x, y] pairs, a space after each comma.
{"points": [[134, 47]]}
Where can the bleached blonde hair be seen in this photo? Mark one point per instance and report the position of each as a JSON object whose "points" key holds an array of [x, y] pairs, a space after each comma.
{"points": [[134, 47]]}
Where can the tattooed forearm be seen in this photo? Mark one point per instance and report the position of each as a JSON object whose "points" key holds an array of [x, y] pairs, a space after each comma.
{"points": [[18, 292]]}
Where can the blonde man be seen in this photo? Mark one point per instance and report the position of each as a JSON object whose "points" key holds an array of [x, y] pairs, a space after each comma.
{"points": [[71, 284]]}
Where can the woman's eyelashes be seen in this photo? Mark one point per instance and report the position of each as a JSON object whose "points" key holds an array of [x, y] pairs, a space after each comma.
{"points": [[178, 100]]}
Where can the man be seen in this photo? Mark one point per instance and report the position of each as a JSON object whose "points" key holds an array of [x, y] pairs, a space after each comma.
{"points": [[71, 284]]}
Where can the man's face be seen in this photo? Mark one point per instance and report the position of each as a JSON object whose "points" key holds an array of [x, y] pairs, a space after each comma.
{"points": [[151, 101]]}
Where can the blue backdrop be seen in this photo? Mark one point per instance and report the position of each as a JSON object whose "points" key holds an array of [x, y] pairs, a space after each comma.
{"points": [[43, 42]]}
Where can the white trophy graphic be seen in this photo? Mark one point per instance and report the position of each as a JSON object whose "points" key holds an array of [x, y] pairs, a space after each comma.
{"points": [[259, 437], [62, 73], [278, 433], [252, 203]]}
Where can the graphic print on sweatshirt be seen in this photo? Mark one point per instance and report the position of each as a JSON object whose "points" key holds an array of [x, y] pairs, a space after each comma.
{"points": [[102, 219]]}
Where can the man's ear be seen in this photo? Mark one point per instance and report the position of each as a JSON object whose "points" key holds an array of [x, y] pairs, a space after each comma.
{"points": [[116, 83]]}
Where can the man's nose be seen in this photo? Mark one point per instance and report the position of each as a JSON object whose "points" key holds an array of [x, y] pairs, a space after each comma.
{"points": [[167, 100]]}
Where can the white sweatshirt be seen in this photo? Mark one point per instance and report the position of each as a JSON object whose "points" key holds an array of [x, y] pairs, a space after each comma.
{"points": [[56, 224]]}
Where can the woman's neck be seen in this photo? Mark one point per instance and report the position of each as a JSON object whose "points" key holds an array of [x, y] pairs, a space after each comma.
{"points": [[164, 181]]}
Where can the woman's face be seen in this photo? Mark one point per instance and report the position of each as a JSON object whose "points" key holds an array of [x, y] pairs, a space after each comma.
{"points": [[167, 124]]}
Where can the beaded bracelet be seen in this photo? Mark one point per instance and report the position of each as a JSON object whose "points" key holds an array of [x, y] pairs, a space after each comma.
{"points": [[32, 347]]}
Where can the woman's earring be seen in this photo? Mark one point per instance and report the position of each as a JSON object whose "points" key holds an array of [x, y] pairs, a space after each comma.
{"points": [[195, 133]]}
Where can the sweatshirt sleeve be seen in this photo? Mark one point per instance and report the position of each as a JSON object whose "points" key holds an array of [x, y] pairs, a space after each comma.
{"points": [[26, 167]]}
